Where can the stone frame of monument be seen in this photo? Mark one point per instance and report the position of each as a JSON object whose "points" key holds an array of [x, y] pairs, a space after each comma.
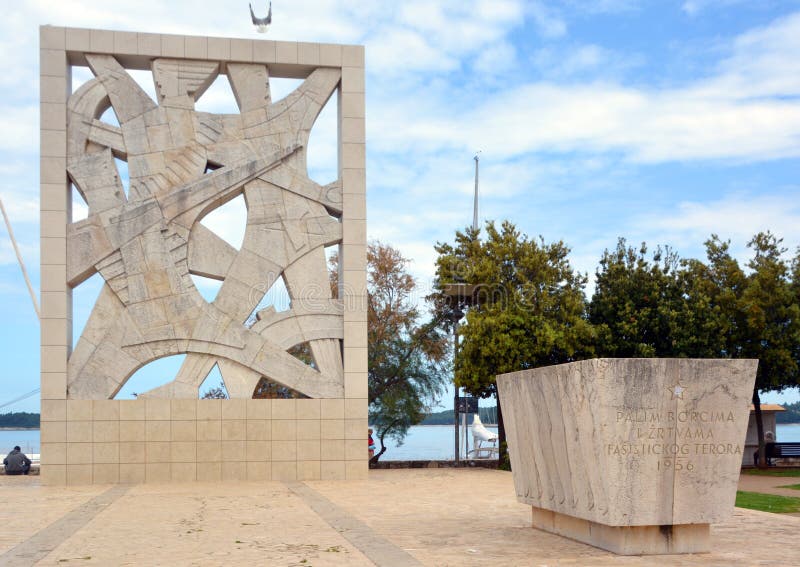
{"points": [[182, 165]]}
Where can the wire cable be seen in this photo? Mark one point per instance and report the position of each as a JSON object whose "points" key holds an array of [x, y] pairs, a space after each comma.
{"points": [[21, 263], [19, 399]]}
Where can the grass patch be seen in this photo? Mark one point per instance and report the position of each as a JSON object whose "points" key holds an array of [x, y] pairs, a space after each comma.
{"points": [[772, 472], [767, 502], [792, 486]]}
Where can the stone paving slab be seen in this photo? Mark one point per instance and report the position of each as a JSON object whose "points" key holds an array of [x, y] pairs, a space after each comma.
{"points": [[435, 517], [40, 545], [208, 524], [470, 517], [26, 507]]}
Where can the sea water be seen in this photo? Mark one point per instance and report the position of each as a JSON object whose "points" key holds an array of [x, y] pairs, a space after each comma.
{"points": [[426, 443], [27, 439], [423, 442]]}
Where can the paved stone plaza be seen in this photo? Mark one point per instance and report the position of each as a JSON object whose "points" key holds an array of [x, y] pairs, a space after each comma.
{"points": [[396, 517]]}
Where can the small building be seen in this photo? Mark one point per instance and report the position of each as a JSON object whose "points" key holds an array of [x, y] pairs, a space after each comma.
{"points": [[768, 412]]}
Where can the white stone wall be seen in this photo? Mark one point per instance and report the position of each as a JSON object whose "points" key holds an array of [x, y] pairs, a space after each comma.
{"points": [[158, 440]]}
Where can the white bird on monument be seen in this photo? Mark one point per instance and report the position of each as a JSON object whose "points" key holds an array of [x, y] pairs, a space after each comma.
{"points": [[262, 24]]}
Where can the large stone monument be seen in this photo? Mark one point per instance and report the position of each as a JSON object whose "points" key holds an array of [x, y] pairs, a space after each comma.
{"points": [[148, 241], [637, 456]]}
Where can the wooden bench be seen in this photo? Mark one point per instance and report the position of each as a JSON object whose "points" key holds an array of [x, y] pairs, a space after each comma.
{"points": [[779, 451]]}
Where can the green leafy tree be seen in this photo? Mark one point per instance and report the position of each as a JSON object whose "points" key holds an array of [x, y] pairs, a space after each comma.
{"points": [[636, 303], [771, 313], [791, 415], [795, 287], [407, 360], [670, 307], [19, 419], [666, 307], [530, 312], [711, 320]]}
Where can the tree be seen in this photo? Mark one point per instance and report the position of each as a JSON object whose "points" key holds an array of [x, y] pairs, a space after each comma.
{"points": [[19, 419], [712, 309], [407, 359], [711, 319], [268, 390], [636, 302], [217, 393], [771, 313], [531, 310]]}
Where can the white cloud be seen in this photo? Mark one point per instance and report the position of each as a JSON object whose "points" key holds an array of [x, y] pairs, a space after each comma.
{"points": [[422, 264], [749, 110], [20, 209], [694, 7], [229, 221], [648, 126], [708, 119], [603, 6], [457, 26], [764, 62], [427, 114], [736, 216], [424, 36], [575, 61], [20, 127], [29, 252], [691, 7], [321, 156], [549, 24], [331, 21], [80, 210], [497, 59], [402, 50]]}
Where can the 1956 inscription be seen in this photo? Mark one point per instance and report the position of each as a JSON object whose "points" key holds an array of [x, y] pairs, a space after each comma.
{"points": [[672, 436]]}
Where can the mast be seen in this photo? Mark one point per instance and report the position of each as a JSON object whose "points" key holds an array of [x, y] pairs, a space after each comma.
{"points": [[19, 259], [475, 205]]}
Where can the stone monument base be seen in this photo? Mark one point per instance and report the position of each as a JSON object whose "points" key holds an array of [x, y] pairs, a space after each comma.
{"points": [[626, 540]]}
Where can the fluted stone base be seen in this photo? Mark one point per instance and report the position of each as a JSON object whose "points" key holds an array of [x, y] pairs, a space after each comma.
{"points": [[626, 540]]}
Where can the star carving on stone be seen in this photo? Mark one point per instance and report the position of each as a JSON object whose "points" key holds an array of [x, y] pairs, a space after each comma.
{"points": [[677, 391]]}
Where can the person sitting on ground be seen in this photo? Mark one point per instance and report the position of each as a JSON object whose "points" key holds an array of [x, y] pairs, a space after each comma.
{"points": [[16, 462]]}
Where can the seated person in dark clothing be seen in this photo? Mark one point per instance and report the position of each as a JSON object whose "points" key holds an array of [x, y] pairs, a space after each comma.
{"points": [[16, 462], [769, 443]]}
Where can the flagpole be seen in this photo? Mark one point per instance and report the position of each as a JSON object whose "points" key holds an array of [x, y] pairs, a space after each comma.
{"points": [[21, 263], [475, 204]]}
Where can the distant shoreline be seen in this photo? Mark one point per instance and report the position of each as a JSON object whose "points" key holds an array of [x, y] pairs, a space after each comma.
{"points": [[19, 428]]}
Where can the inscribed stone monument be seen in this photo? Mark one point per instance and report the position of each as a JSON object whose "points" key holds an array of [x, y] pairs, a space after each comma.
{"points": [[637, 456]]}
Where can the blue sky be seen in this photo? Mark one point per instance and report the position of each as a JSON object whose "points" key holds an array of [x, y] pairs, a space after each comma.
{"points": [[657, 121]]}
